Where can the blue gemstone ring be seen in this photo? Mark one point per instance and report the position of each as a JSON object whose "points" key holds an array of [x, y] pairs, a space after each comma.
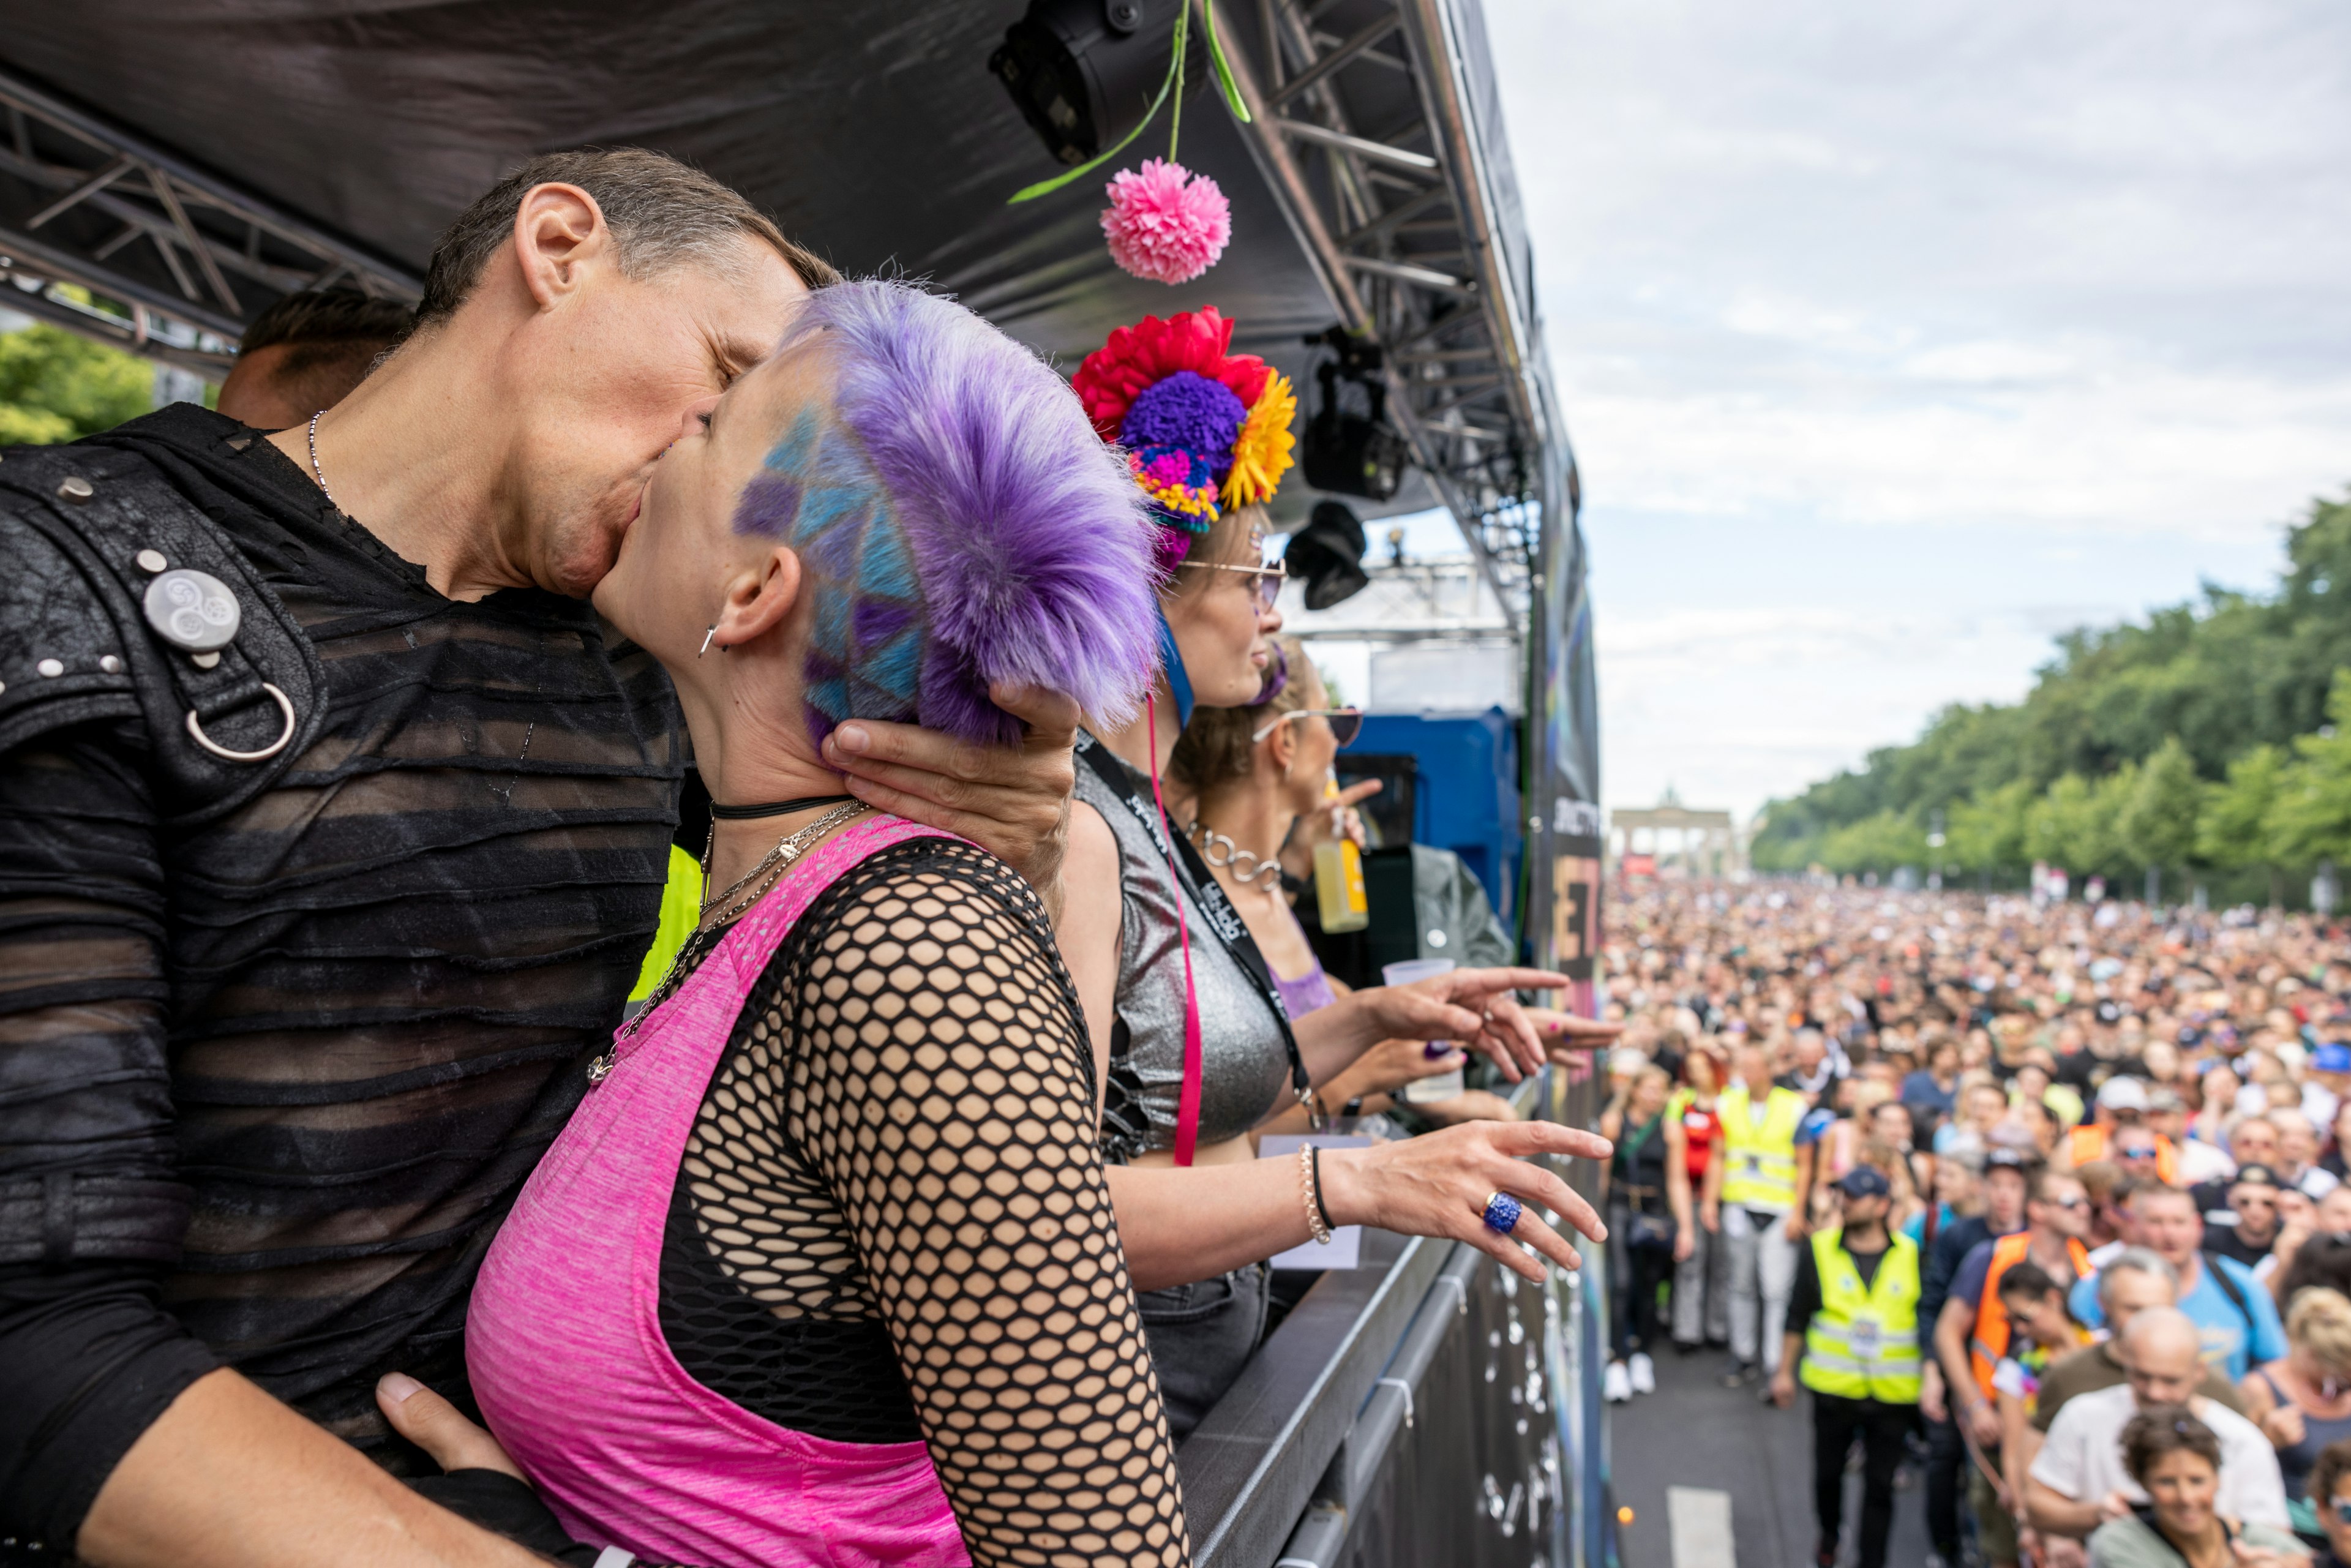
{"points": [[1502, 1212]]}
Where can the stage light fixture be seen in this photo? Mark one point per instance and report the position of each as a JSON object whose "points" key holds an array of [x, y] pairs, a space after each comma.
{"points": [[1327, 554], [1084, 72], [1346, 452]]}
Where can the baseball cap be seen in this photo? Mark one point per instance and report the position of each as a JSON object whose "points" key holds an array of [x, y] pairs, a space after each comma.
{"points": [[2255, 1175], [2003, 1158], [2164, 1100], [1864, 1181], [2123, 1095], [2332, 1057]]}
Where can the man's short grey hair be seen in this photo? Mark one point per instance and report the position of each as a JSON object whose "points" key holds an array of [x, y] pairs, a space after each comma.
{"points": [[661, 213], [2137, 1260]]}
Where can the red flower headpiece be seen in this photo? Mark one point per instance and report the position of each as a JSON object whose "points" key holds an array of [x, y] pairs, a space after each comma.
{"points": [[1138, 357]]}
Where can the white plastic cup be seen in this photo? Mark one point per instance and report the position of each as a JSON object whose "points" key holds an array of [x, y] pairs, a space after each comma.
{"points": [[1444, 1085]]}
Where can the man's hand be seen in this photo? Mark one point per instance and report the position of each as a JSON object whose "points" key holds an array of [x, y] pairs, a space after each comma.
{"points": [[1983, 1423], [1011, 800], [1784, 1385], [1798, 1224], [1684, 1244], [439, 1427], [2114, 1505], [1710, 1214], [1931, 1394]]}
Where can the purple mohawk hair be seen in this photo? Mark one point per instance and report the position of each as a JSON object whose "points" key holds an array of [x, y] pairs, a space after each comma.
{"points": [[1031, 545]]}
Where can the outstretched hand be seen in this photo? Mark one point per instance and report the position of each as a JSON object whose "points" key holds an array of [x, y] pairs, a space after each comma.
{"points": [[1564, 1035], [1011, 800], [1437, 1184], [1474, 1007]]}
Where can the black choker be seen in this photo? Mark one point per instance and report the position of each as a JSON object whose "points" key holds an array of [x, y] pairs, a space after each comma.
{"points": [[776, 808]]}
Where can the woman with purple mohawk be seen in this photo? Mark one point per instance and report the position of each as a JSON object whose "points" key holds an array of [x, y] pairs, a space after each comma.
{"points": [[824, 1269], [1195, 1045]]}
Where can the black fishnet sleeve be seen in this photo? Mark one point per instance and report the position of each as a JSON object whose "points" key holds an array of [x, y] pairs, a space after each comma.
{"points": [[943, 1091]]}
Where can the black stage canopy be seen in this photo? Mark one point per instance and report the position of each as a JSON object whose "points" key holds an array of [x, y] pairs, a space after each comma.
{"points": [[191, 160]]}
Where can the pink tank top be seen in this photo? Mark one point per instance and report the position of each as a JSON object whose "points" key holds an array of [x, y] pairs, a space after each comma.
{"points": [[564, 1340]]}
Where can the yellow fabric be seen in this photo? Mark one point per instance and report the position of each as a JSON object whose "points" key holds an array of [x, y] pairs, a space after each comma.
{"points": [[1864, 1343], [680, 912], [1759, 1167]]}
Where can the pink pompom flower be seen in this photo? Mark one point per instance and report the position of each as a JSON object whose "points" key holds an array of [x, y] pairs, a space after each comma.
{"points": [[1166, 223]]}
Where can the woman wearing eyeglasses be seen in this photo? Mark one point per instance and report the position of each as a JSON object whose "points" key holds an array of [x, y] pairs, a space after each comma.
{"points": [[1194, 1044], [1255, 780]]}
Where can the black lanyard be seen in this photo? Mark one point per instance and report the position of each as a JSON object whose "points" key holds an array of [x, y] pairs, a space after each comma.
{"points": [[1217, 910]]}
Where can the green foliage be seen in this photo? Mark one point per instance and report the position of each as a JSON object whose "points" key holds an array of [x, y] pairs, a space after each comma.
{"points": [[2158, 824], [56, 386], [1987, 831], [2309, 820], [1881, 842], [2216, 734], [2233, 830]]}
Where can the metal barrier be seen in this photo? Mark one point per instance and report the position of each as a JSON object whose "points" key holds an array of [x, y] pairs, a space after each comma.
{"points": [[1428, 1406]]}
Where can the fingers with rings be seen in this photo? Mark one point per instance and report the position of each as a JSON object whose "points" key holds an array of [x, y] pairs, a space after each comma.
{"points": [[1502, 1212]]}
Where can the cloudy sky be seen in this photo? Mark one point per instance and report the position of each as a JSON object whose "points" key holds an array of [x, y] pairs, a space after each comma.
{"points": [[1895, 339]]}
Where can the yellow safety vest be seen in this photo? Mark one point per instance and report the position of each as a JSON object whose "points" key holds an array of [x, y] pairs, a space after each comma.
{"points": [[1864, 1345], [1759, 1168], [680, 912]]}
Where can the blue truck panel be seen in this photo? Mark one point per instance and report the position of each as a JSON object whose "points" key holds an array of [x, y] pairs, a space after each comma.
{"points": [[1466, 795]]}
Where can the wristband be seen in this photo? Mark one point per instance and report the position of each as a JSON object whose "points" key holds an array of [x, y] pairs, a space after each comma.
{"points": [[1310, 1195]]}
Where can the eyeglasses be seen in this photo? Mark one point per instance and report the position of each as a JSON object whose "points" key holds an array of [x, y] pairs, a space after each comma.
{"points": [[2343, 1510], [1265, 581], [2136, 1152], [1346, 723]]}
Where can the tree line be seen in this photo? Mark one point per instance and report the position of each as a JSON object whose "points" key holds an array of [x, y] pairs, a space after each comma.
{"points": [[2210, 743]]}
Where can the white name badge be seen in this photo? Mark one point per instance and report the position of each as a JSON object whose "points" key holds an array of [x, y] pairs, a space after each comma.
{"points": [[1345, 1246], [1862, 1335]]}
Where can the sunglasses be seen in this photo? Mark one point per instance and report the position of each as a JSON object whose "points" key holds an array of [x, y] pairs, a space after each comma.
{"points": [[2134, 1152], [1264, 582], [1346, 723]]}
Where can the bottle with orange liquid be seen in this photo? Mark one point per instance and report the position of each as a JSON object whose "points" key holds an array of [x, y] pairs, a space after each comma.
{"points": [[1339, 879]]}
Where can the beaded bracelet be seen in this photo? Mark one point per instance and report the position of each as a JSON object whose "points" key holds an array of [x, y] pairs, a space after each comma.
{"points": [[1310, 1193]]}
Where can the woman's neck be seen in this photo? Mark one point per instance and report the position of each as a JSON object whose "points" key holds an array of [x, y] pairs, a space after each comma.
{"points": [[746, 759], [2206, 1548], [1254, 817], [1146, 741]]}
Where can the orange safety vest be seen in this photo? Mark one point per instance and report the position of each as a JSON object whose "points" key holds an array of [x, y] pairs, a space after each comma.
{"points": [[1989, 1342], [2088, 1142]]}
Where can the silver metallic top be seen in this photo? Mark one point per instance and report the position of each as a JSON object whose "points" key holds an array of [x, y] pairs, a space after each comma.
{"points": [[1244, 1070]]}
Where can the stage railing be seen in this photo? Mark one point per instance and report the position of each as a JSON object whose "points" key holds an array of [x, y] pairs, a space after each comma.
{"points": [[1428, 1406]]}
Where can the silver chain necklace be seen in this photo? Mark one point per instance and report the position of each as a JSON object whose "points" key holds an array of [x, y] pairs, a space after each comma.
{"points": [[759, 880], [1225, 855], [316, 472]]}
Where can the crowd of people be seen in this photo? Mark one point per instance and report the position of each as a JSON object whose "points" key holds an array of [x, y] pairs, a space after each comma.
{"points": [[2044, 1201]]}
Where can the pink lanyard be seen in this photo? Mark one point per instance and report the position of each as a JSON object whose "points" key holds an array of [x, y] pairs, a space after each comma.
{"points": [[1188, 1102]]}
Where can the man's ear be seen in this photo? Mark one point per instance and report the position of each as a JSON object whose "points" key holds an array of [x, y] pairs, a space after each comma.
{"points": [[558, 230], [759, 598]]}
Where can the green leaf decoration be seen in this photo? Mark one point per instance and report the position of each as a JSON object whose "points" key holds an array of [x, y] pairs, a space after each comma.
{"points": [[1224, 69]]}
